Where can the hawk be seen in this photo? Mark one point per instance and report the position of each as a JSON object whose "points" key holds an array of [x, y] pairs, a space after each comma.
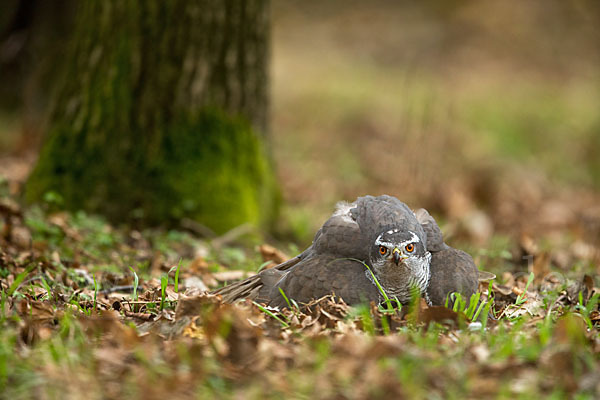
{"points": [[373, 238]]}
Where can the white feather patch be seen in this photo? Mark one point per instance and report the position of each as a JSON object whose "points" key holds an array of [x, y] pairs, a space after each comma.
{"points": [[342, 209], [380, 242]]}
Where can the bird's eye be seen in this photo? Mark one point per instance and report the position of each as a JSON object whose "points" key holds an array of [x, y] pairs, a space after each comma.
{"points": [[410, 247], [383, 250]]}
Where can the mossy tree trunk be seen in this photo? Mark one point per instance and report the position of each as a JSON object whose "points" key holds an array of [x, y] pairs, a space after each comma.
{"points": [[163, 113]]}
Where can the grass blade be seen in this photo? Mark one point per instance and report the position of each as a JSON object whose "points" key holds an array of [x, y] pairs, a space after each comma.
{"points": [[19, 279], [136, 282], [285, 298], [95, 291], [164, 281], [271, 314]]}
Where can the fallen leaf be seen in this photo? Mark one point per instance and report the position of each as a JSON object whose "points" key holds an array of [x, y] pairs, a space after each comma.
{"points": [[228, 276], [270, 253], [441, 315]]}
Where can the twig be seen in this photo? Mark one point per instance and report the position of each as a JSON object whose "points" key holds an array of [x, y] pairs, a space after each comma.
{"points": [[232, 235], [142, 316], [122, 288], [198, 228]]}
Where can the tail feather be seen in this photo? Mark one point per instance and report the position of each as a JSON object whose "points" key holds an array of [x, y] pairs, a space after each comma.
{"points": [[256, 287], [249, 288]]}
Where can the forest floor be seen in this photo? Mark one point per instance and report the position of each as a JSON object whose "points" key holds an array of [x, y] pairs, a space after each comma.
{"points": [[89, 310], [462, 111]]}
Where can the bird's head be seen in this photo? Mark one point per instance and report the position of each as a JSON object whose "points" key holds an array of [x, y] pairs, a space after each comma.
{"points": [[399, 256]]}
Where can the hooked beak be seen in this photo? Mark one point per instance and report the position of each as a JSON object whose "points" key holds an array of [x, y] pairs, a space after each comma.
{"points": [[397, 256]]}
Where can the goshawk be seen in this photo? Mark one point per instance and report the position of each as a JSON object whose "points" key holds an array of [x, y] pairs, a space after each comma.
{"points": [[373, 237]]}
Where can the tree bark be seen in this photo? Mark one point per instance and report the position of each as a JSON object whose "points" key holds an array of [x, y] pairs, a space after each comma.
{"points": [[162, 114]]}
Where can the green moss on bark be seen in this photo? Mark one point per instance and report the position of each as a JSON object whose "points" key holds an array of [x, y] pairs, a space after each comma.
{"points": [[221, 177], [209, 167]]}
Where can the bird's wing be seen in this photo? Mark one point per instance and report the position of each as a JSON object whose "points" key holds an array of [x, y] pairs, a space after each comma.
{"points": [[304, 280], [252, 287], [321, 275], [452, 270], [340, 235], [435, 240]]}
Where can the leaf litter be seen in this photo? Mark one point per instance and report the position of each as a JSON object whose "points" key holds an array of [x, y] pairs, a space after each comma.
{"points": [[76, 322]]}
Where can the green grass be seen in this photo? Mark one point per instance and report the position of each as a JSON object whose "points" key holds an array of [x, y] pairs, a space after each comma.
{"points": [[60, 335]]}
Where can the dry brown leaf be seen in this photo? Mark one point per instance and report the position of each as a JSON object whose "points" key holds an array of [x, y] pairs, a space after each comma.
{"points": [[61, 220], [588, 283], [36, 310], [485, 276], [528, 245], [194, 305], [570, 330], [270, 253], [502, 289], [440, 315], [228, 276], [194, 330], [198, 265], [140, 316], [541, 266], [195, 283]]}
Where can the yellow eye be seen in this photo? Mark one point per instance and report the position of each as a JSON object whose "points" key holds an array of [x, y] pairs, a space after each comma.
{"points": [[410, 247], [382, 250]]}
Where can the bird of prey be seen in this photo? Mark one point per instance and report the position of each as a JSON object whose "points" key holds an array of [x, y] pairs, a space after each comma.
{"points": [[373, 236]]}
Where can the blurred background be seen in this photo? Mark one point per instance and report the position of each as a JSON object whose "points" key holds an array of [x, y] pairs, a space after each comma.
{"points": [[454, 106], [487, 113]]}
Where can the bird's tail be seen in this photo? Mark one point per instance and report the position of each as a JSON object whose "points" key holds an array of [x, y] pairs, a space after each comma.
{"points": [[257, 286], [249, 288]]}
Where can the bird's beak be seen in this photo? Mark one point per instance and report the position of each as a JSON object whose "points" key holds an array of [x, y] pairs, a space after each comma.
{"points": [[396, 255]]}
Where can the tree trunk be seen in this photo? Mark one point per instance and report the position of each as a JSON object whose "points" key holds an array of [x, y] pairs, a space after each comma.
{"points": [[162, 114]]}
